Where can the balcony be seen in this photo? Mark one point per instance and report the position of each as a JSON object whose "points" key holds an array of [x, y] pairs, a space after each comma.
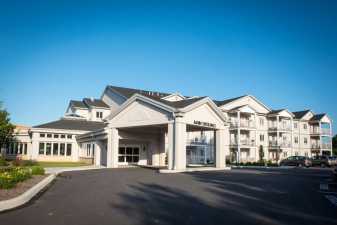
{"points": [[322, 131], [318, 146], [243, 124], [315, 146], [281, 144], [244, 142], [326, 146], [274, 127]]}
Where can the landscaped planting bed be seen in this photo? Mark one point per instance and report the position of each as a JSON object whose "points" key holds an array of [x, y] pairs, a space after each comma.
{"points": [[15, 179]]}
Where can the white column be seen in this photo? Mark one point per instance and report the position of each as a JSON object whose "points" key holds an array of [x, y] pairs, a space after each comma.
{"points": [[98, 149], [239, 138], [170, 149], [221, 144], [179, 144], [33, 152], [112, 153]]}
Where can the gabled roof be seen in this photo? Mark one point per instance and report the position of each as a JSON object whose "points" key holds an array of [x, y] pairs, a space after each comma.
{"points": [[129, 92], [78, 104], [301, 114], [277, 111], [95, 103], [317, 117], [226, 101], [73, 124]]}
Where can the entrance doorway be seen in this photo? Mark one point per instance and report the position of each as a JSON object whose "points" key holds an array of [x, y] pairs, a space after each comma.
{"points": [[128, 154]]}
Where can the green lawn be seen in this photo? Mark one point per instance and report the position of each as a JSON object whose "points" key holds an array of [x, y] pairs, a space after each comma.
{"points": [[62, 164]]}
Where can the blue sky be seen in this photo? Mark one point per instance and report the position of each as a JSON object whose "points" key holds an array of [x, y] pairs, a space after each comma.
{"points": [[283, 52]]}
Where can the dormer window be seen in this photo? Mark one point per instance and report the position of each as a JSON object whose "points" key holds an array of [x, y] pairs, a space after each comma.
{"points": [[99, 115]]}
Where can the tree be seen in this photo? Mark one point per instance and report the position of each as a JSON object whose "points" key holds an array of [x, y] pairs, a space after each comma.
{"points": [[261, 153], [334, 145], [6, 128]]}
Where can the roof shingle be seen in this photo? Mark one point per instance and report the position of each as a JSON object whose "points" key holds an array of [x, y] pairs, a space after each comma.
{"points": [[73, 124]]}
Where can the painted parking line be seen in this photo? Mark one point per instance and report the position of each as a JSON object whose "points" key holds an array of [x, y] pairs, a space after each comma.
{"points": [[332, 199]]}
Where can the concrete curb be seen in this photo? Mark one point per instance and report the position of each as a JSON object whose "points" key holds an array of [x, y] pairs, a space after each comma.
{"points": [[26, 196]]}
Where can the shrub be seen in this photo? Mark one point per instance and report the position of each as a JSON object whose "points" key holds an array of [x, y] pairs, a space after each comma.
{"points": [[20, 174], [3, 162], [20, 162], [10, 177], [6, 180], [37, 170]]}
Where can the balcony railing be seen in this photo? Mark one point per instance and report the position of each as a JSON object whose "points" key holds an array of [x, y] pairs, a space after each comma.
{"points": [[326, 146], [280, 127], [315, 146], [281, 144], [243, 124], [247, 142], [325, 131]]}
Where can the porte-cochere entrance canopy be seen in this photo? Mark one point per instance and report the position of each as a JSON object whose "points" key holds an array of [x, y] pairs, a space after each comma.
{"points": [[150, 131]]}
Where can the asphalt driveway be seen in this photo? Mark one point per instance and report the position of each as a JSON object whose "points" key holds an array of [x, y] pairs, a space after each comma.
{"points": [[143, 196]]}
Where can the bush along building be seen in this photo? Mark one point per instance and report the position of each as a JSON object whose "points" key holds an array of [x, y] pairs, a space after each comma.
{"points": [[130, 126]]}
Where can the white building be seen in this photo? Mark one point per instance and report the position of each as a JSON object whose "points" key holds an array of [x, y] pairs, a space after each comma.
{"points": [[131, 126]]}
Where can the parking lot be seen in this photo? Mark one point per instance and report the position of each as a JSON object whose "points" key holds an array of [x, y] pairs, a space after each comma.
{"points": [[143, 196]]}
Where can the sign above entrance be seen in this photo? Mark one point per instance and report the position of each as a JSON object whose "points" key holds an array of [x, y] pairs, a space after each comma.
{"points": [[205, 124]]}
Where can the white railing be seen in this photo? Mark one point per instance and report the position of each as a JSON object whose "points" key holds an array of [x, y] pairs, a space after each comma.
{"points": [[243, 123], [246, 142], [315, 146], [326, 146], [325, 131], [281, 144]]}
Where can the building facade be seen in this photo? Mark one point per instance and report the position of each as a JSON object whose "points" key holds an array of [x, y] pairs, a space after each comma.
{"points": [[130, 126]]}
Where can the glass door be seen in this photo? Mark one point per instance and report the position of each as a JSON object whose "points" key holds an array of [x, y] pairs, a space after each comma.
{"points": [[128, 155]]}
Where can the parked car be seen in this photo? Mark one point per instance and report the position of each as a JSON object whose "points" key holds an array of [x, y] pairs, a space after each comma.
{"points": [[296, 161], [335, 173], [323, 161]]}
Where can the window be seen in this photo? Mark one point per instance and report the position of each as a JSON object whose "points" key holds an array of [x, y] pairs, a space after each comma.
{"points": [[285, 154], [48, 148], [55, 148], [41, 148], [25, 149], [49, 135], [12, 147], [88, 149], [296, 140], [68, 149], [62, 148], [20, 148], [63, 136], [93, 150], [305, 140], [295, 125], [261, 137], [128, 155], [16, 149], [69, 136], [306, 154], [261, 121], [42, 135], [296, 153], [305, 126], [56, 136], [99, 115]]}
